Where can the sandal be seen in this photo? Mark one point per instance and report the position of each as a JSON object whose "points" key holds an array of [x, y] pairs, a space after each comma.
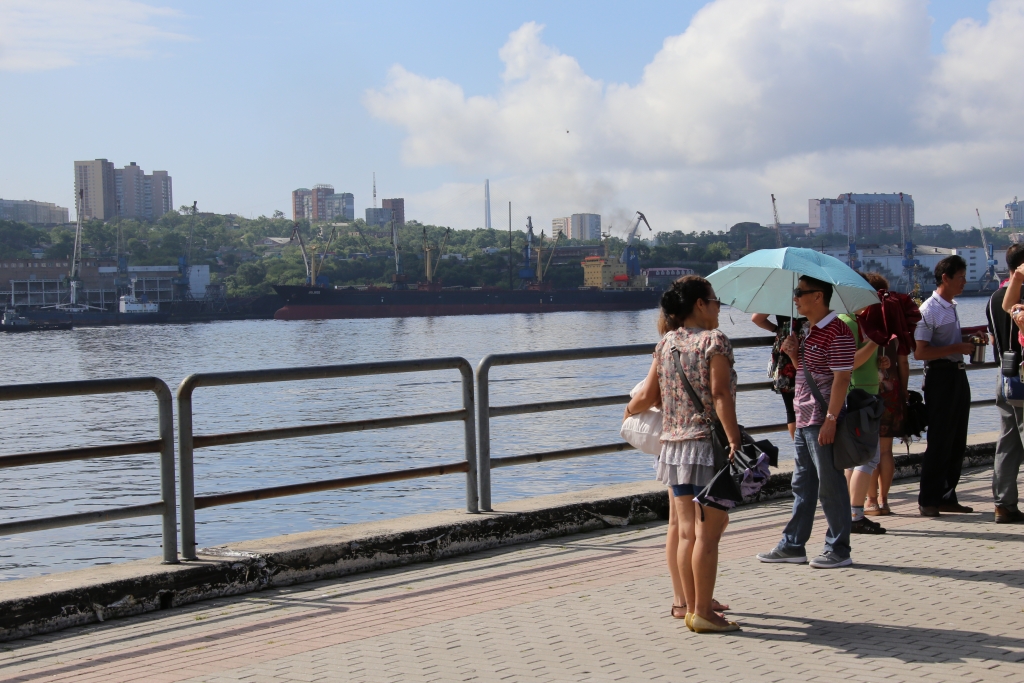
{"points": [[883, 509], [872, 509], [681, 614]]}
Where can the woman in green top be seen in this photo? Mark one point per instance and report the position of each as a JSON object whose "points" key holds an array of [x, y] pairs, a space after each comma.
{"points": [[865, 376]]}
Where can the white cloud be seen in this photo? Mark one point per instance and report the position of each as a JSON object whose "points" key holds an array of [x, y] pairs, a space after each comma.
{"points": [[796, 97], [50, 34]]}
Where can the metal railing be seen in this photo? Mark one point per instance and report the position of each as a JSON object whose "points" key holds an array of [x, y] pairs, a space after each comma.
{"points": [[485, 411], [188, 442], [164, 446]]}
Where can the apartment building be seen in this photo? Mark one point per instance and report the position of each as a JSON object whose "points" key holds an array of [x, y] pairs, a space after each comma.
{"points": [[108, 192], [861, 215], [32, 212], [95, 190], [322, 203], [585, 226], [395, 209]]}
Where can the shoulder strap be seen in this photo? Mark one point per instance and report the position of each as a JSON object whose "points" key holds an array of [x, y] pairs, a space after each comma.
{"points": [[813, 385], [686, 383]]}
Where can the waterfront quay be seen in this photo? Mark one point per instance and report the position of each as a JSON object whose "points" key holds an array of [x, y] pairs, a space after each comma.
{"points": [[935, 599]]}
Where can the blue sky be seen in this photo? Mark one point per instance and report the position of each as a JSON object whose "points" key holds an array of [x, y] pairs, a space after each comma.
{"points": [[243, 102]]}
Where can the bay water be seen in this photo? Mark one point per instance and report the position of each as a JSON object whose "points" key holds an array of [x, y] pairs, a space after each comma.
{"points": [[172, 352]]}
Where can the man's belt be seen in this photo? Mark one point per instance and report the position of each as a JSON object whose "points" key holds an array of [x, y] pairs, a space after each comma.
{"points": [[947, 364]]}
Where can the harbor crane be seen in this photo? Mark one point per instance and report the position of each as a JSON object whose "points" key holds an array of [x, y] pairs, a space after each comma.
{"points": [[526, 271], [182, 283], [313, 266], [778, 231], [542, 270], [429, 268], [629, 255], [990, 260], [398, 280]]}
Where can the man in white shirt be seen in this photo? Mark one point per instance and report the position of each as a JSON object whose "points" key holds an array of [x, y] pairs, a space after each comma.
{"points": [[947, 393]]}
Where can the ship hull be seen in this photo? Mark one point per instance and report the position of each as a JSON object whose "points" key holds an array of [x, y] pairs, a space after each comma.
{"points": [[310, 303], [94, 318]]}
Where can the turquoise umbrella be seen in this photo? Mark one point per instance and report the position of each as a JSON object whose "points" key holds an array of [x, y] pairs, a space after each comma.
{"points": [[763, 282]]}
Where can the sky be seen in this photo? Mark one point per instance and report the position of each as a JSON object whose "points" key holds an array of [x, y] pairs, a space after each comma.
{"points": [[692, 112]]}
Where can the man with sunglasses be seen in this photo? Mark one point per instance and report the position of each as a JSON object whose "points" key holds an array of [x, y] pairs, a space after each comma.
{"points": [[828, 355]]}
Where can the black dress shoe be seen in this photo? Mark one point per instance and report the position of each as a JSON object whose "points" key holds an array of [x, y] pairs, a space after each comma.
{"points": [[954, 507], [928, 510]]}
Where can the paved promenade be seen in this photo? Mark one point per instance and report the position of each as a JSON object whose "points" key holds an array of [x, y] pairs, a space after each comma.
{"points": [[933, 600]]}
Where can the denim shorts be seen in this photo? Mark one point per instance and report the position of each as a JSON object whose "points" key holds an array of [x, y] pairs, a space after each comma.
{"points": [[686, 490]]}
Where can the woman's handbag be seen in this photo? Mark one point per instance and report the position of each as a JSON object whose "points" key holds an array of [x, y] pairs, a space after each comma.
{"points": [[857, 431], [1011, 386], [642, 431], [739, 477]]}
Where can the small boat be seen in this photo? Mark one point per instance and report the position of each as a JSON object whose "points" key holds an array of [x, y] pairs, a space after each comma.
{"points": [[12, 322]]}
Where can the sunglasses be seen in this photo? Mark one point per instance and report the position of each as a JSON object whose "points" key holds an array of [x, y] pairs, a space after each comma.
{"points": [[797, 293], [712, 299]]}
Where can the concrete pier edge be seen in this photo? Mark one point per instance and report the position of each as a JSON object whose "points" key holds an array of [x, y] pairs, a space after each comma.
{"points": [[50, 603]]}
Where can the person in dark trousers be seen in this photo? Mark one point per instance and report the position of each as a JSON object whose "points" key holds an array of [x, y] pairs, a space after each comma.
{"points": [[947, 395], [827, 353], [1010, 445]]}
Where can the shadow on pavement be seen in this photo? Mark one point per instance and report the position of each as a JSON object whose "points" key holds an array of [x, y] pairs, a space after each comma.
{"points": [[910, 644]]}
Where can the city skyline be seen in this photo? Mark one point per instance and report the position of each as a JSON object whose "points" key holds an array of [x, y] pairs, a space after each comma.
{"points": [[553, 115]]}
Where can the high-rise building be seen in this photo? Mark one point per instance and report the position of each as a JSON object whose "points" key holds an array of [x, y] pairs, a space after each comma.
{"points": [[378, 216], [318, 202], [299, 199], [585, 226], [95, 192], [563, 224], [341, 205], [397, 206], [1014, 215], [130, 186], [860, 215], [28, 211], [157, 196]]}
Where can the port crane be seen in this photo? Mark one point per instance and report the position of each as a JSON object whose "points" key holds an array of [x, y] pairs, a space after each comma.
{"points": [[313, 267], [526, 272], [990, 260], [543, 269], [629, 254], [182, 283], [430, 269], [399, 278], [778, 231], [75, 274]]}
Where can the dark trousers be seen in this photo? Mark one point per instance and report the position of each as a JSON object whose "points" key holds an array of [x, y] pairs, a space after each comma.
{"points": [[947, 396]]}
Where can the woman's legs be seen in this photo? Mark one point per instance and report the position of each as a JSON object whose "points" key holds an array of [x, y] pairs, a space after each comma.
{"points": [[704, 559], [685, 517], [886, 470], [672, 552]]}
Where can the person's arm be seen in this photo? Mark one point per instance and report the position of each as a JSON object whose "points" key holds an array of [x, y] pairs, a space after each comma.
{"points": [[761, 320], [864, 353], [840, 384], [725, 403], [925, 351], [649, 394], [1012, 294]]}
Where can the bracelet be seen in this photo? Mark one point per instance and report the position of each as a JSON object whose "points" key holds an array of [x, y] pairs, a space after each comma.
{"points": [[830, 416], [627, 411]]}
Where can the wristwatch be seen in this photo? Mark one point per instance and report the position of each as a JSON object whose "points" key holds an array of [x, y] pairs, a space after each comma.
{"points": [[830, 416]]}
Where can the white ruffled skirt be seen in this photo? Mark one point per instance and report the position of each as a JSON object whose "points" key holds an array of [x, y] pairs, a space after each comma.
{"points": [[686, 462]]}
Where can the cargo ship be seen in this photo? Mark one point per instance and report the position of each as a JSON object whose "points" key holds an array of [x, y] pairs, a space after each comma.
{"points": [[610, 284]]}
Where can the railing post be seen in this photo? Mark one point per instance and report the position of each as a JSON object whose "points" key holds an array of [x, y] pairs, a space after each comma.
{"points": [[483, 457], [186, 471], [469, 424], [170, 522]]}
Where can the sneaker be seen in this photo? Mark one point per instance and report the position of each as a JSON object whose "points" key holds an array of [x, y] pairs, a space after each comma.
{"points": [[1008, 515], [777, 554], [866, 526], [829, 560]]}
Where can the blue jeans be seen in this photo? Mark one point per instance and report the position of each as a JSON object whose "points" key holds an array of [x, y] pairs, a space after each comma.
{"points": [[814, 478]]}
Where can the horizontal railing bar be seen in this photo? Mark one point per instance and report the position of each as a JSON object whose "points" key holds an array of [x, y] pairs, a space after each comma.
{"points": [[327, 485], [70, 454], [17, 392], [211, 379], [207, 440], [82, 518], [570, 404], [562, 454]]}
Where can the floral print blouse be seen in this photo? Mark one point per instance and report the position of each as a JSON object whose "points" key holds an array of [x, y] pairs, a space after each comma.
{"points": [[696, 347]]}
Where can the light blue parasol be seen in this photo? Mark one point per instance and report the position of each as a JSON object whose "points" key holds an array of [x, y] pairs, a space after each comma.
{"points": [[763, 282]]}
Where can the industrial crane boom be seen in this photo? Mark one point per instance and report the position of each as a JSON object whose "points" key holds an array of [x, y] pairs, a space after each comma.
{"points": [[547, 266], [296, 235], [990, 260], [778, 232]]}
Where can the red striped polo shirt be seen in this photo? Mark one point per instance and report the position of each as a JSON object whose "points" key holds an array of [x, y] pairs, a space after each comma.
{"points": [[828, 348]]}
